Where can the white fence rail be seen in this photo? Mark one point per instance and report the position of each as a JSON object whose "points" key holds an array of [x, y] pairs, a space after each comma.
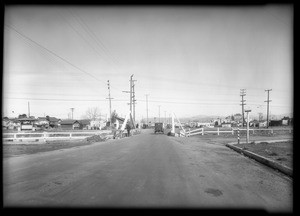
{"points": [[50, 135], [218, 131]]}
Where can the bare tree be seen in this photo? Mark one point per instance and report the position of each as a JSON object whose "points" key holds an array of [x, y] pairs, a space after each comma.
{"points": [[92, 113]]}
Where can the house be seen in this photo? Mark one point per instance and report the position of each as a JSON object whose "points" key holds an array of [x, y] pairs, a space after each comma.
{"points": [[254, 123], [5, 122], [54, 122], [263, 124], [69, 124], [275, 123], [226, 125], [42, 122], [286, 121], [84, 124], [27, 123], [10, 123], [217, 122], [205, 124], [96, 124]]}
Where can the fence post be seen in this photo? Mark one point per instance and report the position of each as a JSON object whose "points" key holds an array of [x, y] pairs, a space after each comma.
{"points": [[202, 131], [44, 137], [238, 133], [70, 135], [218, 131], [15, 137], [232, 131]]}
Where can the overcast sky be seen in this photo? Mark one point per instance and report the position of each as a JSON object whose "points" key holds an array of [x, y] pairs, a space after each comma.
{"points": [[190, 60]]}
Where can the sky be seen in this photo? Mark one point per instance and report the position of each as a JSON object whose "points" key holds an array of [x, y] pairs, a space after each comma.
{"points": [[188, 60]]}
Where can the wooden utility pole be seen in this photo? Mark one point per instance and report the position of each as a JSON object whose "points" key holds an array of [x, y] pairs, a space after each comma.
{"points": [[133, 99], [242, 94], [247, 111], [268, 101], [130, 89], [28, 109], [158, 113], [108, 85], [147, 107], [72, 109]]}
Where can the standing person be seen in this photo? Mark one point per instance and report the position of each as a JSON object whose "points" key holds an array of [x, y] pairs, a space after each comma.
{"points": [[128, 129]]}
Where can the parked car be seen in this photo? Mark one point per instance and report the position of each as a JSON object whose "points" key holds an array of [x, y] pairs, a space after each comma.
{"points": [[158, 127]]}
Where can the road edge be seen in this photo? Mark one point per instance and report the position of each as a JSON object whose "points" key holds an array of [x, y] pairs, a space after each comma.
{"points": [[266, 161]]}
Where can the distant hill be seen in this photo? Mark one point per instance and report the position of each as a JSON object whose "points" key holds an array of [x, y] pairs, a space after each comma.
{"points": [[208, 118], [201, 118]]}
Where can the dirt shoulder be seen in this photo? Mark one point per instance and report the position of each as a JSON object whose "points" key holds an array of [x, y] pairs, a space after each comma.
{"points": [[281, 152], [10, 150]]}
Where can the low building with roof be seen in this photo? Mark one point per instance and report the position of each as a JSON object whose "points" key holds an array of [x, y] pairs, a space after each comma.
{"points": [[69, 124], [85, 124], [27, 123]]}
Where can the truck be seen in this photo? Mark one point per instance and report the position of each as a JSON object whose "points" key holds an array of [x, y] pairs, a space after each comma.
{"points": [[158, 127]]}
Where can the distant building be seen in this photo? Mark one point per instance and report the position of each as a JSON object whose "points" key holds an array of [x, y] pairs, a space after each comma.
{"points": [[27, 123], [69, 124], [263, 124], [84, 124], [54, 122], [226, 125], [97, 124], [275, 123], [286, 121], [204, 124], [254, 123]]}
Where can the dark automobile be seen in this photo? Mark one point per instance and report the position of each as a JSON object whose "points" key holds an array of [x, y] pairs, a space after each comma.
{"points": [[158, 127]]}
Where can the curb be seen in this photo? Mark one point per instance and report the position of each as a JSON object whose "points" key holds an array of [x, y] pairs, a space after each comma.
{"points": [[266, 161]]}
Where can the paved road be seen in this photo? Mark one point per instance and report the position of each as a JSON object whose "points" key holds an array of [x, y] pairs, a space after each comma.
{"points": [[146, 170]]}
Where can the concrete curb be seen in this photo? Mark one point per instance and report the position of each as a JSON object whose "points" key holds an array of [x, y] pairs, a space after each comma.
{"points": [[266, 161]]}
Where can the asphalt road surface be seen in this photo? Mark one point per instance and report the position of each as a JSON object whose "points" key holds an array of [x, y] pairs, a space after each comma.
{"points": [[146, 170]]}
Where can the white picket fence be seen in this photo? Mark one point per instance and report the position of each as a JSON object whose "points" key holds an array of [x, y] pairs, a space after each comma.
{"points": [[50, 135]]}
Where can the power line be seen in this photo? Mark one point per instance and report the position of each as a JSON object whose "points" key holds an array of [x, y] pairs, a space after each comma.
{"points": [[63, 59], [77, 32], [58, 99], [96, 39]]}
